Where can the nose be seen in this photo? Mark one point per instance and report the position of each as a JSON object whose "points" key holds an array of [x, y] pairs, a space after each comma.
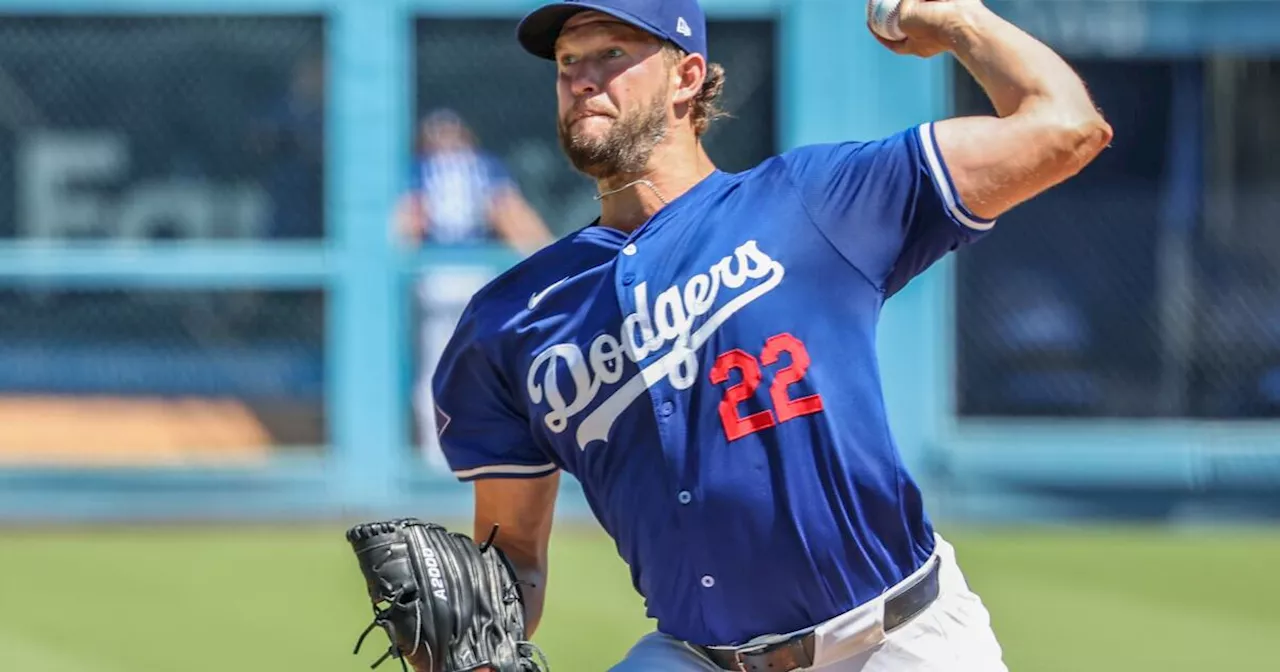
{"points": [[583, 80]]}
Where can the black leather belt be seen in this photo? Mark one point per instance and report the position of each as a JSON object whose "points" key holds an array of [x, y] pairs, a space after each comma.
{"points": [[797, 652]]}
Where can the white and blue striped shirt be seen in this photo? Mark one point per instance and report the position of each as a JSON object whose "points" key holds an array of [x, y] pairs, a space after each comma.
{"points": [[456, 189]]}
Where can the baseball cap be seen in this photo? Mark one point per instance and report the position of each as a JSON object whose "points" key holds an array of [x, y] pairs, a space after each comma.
{"points": [[681, 22]]}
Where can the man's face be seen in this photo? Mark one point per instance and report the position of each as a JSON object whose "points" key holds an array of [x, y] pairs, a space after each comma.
{"points": [[444, 136], [614, 91]]}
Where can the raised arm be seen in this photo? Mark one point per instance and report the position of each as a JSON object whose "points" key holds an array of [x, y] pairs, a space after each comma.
{"points": [[522, 508], [1047, 128], [517, 222]]}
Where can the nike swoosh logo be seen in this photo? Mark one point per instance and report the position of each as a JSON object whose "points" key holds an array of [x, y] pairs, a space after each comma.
{"points": [[537, 296]]}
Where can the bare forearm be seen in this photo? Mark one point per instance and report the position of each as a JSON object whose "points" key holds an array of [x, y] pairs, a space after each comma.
{"points": [[1018, 72], [523, 511], [1046, 129], [533, 585], [519, 224]]}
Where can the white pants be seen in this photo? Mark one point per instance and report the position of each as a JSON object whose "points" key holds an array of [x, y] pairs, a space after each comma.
{"points": [[953, 633]]}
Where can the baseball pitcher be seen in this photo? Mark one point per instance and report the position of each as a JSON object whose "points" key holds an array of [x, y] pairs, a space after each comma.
{"points": [[702, 359]]}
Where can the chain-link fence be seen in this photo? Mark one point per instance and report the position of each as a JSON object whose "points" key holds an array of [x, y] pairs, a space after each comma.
{"points": [[1112, 295], [149, 127], [102, 375], [1147, 285], [119, 129]]}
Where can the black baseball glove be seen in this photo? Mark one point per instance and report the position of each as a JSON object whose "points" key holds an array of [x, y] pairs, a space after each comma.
{"points": [[446, 603]]}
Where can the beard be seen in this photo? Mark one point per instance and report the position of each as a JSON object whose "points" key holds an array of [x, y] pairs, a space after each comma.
{"points": [[625, 148]]}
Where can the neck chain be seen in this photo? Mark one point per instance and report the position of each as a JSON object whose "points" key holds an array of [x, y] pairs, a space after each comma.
{"points": [[633, 183]]}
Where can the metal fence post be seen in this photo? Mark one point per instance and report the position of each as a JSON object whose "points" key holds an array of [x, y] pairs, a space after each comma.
{"points": [[369, 99]]}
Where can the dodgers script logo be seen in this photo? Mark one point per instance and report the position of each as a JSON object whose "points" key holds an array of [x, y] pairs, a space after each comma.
{"points": [[669, 321]]}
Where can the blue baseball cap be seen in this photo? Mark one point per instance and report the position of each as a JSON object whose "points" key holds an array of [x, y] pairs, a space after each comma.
{"points": [[681, 22]]}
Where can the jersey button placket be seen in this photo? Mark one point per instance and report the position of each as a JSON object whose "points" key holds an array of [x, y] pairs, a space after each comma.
{"points": [[624, 278], [667, 430]]}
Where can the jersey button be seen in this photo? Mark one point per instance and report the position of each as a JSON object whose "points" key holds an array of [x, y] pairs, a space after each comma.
{"points": [[666, 408], [685, 497], [630, 249], [628, 278], [708, 581]]}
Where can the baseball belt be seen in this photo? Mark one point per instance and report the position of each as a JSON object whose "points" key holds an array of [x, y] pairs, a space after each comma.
{"points": [[797, 653]]}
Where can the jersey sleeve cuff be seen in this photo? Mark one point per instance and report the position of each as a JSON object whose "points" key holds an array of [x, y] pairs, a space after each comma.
{"points": [[946, 189], [505, 471]]}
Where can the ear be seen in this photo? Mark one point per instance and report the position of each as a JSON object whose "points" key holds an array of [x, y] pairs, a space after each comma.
{"points": [[687, 77]]}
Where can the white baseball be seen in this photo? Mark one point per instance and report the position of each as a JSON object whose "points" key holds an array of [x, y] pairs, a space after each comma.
{"points": [[883, 18]]}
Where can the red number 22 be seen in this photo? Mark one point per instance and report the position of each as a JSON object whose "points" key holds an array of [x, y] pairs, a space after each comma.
{"points": [[736, 426]]}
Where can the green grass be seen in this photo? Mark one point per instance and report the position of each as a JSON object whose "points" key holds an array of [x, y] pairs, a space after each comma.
{"points": [[269, 599]]}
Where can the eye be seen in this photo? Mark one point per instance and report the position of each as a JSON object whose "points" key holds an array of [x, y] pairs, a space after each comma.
{"points": [[613, 52], [568, 60]]}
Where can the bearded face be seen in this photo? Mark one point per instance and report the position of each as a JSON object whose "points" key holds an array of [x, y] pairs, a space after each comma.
{"points": [[614, 85], [605, 146]]}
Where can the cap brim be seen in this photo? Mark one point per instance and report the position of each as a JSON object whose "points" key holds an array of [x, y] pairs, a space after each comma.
{"points": [[538, 31]]}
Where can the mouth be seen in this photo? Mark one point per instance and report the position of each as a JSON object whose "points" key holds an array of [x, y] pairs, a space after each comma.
{"points": [[581, 116]]}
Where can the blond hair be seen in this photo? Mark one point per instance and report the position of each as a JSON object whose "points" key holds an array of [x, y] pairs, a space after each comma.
{"points": [[706, 104]]}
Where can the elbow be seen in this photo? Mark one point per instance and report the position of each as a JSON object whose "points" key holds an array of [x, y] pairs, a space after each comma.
{"points": [[1068, 140], [1092, 136], [1081, 138]]}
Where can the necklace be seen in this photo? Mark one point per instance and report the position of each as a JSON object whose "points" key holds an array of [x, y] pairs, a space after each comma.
{"points": [[628, 185]]}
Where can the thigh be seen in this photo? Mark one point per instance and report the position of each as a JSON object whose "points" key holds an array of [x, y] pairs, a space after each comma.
{"points": [[657, 652]]}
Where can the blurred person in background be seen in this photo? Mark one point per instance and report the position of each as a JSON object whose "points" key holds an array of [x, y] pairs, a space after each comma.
{"points": [[461, 195], [289, 139]]}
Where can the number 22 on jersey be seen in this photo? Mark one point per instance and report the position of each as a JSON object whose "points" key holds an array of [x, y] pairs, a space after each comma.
{"points": [[735, 425]]}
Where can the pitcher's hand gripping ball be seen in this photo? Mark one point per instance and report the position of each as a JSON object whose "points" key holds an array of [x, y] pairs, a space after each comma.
{"points": [[446, 603], [882, 17]]}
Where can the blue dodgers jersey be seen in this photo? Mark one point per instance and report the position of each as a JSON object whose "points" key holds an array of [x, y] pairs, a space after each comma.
{"points": [[711, 380]]}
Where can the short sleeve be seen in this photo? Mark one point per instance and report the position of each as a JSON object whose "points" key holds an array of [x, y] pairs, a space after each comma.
{"points": [[889, 206], [482, 432]]}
